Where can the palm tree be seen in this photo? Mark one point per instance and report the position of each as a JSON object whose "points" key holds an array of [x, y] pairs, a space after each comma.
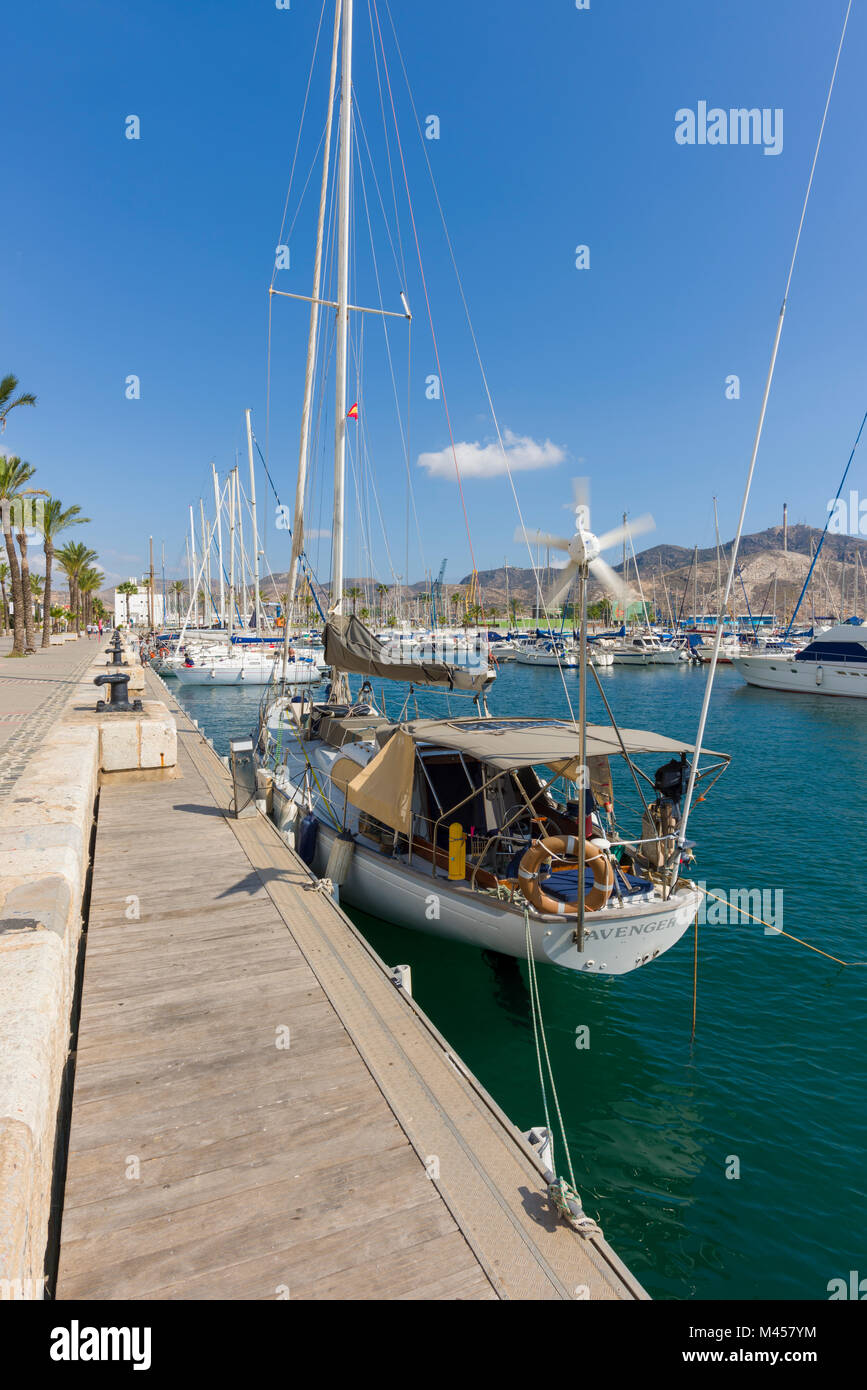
{"points": [[36, 591], [355, 594], [13, 476], [128, 588], [74, 559], [8, 385], [57, 615], [4, 575], [54, 520], [382, 591], [89, 582], [177, 590]]}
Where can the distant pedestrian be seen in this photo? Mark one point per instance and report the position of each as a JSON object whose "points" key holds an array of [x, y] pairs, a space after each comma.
{"points": [[99, 625]]}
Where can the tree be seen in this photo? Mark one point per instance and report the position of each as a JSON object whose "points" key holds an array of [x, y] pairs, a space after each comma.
{"points": [[89, 582], [4, 575], [355, 594], [8, 386], [127, 588], [177, 590], [382, 593], [36, 591], [54, 520], [74, 559], [13, 476]]}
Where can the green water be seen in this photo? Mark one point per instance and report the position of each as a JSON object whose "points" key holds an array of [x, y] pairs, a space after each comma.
{"points": [[776, 1076]]}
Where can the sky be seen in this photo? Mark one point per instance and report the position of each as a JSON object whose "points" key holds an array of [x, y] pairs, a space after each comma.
{"points": [[557, 129]]}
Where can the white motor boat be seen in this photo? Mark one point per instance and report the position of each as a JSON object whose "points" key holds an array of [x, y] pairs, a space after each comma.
{"points": [[834, 663], [633, 651], [729, 649], [546, 652]]}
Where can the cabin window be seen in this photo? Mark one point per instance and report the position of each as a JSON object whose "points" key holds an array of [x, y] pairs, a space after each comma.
{"points": [[450, 780]]}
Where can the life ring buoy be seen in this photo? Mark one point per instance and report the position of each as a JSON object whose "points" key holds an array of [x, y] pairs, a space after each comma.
{"points": [[565, 846]]}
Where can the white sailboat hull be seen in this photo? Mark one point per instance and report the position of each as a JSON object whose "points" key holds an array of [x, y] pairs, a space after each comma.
{"points": [[544, 659], [248, 673], [617, 939]]}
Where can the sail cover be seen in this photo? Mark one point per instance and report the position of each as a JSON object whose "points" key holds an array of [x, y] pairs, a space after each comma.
{"points": [[384, 787], [350, 646]]}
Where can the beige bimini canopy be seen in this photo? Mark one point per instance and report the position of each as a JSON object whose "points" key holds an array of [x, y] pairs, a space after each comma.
{"points": [[384, 787], [554, 743]]}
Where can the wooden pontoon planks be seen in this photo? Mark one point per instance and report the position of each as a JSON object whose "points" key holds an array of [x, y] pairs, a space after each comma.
{"points": [[263, 1168]]}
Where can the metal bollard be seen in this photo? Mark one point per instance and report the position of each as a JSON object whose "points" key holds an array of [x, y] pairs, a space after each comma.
{"points": [[118, 695], [114, 652]]}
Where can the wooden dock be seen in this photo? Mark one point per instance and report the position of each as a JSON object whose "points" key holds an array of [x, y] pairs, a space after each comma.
{"points": [[258, 1112]]}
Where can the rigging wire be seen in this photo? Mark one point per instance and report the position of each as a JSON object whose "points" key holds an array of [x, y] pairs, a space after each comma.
{"points": [[825, 531], [425, 290], [283, 219], [757, 441], [476, 349]]}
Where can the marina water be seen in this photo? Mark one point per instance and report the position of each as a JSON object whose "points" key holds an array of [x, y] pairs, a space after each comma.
{"points": [[731, 1166]]}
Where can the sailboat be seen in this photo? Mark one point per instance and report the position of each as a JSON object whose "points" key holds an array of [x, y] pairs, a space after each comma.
{"points": [[496, 832]]}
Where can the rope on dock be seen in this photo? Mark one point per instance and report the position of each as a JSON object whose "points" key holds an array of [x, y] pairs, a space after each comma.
{"points": [[562, 1194]]}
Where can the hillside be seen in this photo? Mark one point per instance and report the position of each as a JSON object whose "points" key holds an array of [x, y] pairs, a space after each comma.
{"points": [[670, 578]]}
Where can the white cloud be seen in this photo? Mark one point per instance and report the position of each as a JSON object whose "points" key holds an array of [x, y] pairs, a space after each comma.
{"points": [[489, 460]]}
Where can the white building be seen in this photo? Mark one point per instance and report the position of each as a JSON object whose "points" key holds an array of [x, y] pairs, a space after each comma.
{"points": [[138, 604]]}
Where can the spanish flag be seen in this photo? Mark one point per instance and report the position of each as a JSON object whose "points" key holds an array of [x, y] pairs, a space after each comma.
{"points": [[352, 412]]}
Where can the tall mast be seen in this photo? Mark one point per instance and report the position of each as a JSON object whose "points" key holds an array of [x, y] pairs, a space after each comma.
{"points": [[718, 570], [151, 604], [233, 484], [206, 552], [219, 511], [257, 603], [300, 488], [342, 309], [193, 571]]}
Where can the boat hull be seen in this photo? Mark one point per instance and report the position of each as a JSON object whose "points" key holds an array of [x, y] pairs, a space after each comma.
{"points": [[804, 677], [297, 674], [617, 940]]}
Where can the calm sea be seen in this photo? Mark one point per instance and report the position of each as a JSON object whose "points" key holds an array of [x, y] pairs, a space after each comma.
{"points": [[731, 1166]]}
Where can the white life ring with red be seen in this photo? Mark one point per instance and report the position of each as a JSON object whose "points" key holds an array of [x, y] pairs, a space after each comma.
{"points": [[565, 847]]}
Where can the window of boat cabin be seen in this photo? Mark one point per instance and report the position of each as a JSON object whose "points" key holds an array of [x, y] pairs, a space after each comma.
{"points": [[448, 780]]}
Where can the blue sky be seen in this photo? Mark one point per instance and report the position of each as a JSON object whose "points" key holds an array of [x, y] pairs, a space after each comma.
{"points": [[153, 257]]}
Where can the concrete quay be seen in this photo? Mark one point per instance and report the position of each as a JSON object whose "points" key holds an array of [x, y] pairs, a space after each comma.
{"points": [[55, 751]]}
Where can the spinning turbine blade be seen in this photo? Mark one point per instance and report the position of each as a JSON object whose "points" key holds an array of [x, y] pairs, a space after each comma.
{"points": [[581, 492], [632, 528], [542, 538], [611, 581], [562, 585]]}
